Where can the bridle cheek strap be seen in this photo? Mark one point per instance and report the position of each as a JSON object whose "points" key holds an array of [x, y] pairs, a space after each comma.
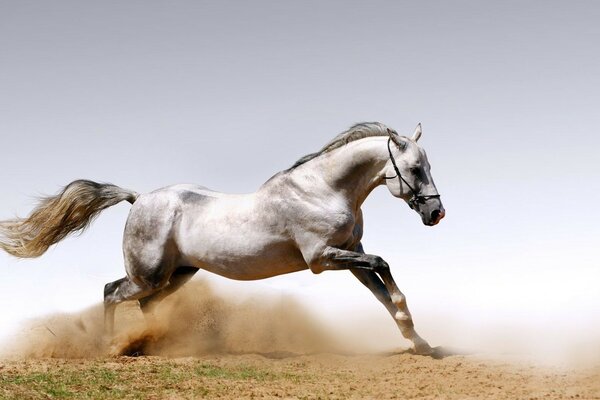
{"points": [[416, 197]]}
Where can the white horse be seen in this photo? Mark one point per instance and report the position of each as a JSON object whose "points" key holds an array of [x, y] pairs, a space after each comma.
{"points": [[306, 217]]}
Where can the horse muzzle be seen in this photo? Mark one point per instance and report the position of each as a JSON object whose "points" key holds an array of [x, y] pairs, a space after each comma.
{"points": [[436, 217]]}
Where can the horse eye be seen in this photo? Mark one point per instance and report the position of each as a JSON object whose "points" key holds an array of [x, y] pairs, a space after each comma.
{"points": [[415, 171]]}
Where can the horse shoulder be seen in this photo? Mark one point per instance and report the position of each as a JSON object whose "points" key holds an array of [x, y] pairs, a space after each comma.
{"points": [[330, 226]]}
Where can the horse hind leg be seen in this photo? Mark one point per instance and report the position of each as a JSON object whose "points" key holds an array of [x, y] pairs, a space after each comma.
{"points": [[110, 305], [179, 277], [119, 291]]}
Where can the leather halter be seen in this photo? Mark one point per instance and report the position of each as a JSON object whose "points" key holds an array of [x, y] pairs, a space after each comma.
{"points": [[416, 197]]}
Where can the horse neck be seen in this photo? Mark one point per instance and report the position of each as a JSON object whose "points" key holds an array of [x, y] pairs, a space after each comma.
{"points": [[354, 169]]}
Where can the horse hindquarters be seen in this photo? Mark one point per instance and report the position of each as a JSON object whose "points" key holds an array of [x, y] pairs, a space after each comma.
{"points": [[151, 255]]}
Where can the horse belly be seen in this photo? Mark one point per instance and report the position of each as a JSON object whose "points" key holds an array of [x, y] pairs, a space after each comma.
{"points": [[251, 270], [243, 257], [237, 237]]}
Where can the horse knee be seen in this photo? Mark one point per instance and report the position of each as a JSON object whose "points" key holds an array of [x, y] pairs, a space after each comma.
{"points": [[379, 264], [111, 288], [125, 289]]}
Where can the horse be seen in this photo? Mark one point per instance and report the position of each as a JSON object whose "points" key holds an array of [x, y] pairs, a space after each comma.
{"points": [[305, 217]]}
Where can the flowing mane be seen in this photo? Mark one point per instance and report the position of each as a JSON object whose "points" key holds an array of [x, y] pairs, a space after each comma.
{"points": [[356, 132]]}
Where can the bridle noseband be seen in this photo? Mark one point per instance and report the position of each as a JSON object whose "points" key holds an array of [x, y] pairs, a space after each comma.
{"points": [[416, 198]]}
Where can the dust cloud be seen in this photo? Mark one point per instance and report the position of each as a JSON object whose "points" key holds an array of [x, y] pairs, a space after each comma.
{"points": [[193, 321], [200, 320]]}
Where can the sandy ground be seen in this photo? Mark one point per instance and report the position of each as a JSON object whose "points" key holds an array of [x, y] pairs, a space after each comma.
{"points": [[324, 376], [205, 346]]}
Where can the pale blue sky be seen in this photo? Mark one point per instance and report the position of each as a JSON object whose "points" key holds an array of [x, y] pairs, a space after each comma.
{"points": [[145, 94]]}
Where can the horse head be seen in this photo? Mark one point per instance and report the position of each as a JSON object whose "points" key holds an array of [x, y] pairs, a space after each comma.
{"points": [[408, 176]]}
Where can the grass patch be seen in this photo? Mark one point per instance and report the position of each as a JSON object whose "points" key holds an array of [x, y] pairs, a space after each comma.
{"points": [[237, 373], [62, 383], [43, 383], [129, 379]]}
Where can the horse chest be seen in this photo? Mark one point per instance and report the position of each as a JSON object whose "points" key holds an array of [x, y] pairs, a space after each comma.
{"points": [[340, 223], [332, 225]]}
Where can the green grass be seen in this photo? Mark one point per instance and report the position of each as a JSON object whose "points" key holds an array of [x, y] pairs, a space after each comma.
{"points": [[239, 373], [133, 380], [61, 383]]}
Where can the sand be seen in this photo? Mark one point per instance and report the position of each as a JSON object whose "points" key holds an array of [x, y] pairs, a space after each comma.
{"points": [[203, 345]]}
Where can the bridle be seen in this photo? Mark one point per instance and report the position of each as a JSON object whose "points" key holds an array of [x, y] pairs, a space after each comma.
{"points": [[416, 198]]}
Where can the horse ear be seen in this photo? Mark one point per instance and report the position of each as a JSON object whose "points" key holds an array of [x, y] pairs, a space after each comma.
{"points": [[396, 138], [418, 132]]}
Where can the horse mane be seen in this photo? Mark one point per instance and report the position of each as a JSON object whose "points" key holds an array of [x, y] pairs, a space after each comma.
{"points": [[356, 132]]}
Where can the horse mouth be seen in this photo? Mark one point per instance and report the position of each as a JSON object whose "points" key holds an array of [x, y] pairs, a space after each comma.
{"points": [[436, 217]]}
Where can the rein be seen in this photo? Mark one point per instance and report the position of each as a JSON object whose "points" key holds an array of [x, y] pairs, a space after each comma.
{"points": [[416, 198]]}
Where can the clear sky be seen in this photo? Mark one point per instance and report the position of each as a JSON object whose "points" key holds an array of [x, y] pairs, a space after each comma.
{"points": [[149, 93]]}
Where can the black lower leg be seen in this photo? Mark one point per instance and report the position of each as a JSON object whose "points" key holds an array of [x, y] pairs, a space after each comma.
{"points": [[110, 305]]}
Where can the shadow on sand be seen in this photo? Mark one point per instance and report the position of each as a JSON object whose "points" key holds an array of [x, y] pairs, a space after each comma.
{"points": [[137, 348], [438, 352]]}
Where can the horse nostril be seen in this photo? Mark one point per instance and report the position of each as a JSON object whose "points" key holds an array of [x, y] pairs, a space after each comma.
{"points": [[435, 215]]}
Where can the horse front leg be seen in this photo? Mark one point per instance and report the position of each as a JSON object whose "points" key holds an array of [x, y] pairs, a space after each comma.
{"points": [[396, 296], [366, 267], [334, 259], [406, 325]]}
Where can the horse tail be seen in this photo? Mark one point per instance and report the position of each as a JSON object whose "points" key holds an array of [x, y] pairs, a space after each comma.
{"points": [[55, 217]]}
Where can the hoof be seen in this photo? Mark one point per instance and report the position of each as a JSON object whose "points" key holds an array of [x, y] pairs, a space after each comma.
{"points": [[423, 348]]}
